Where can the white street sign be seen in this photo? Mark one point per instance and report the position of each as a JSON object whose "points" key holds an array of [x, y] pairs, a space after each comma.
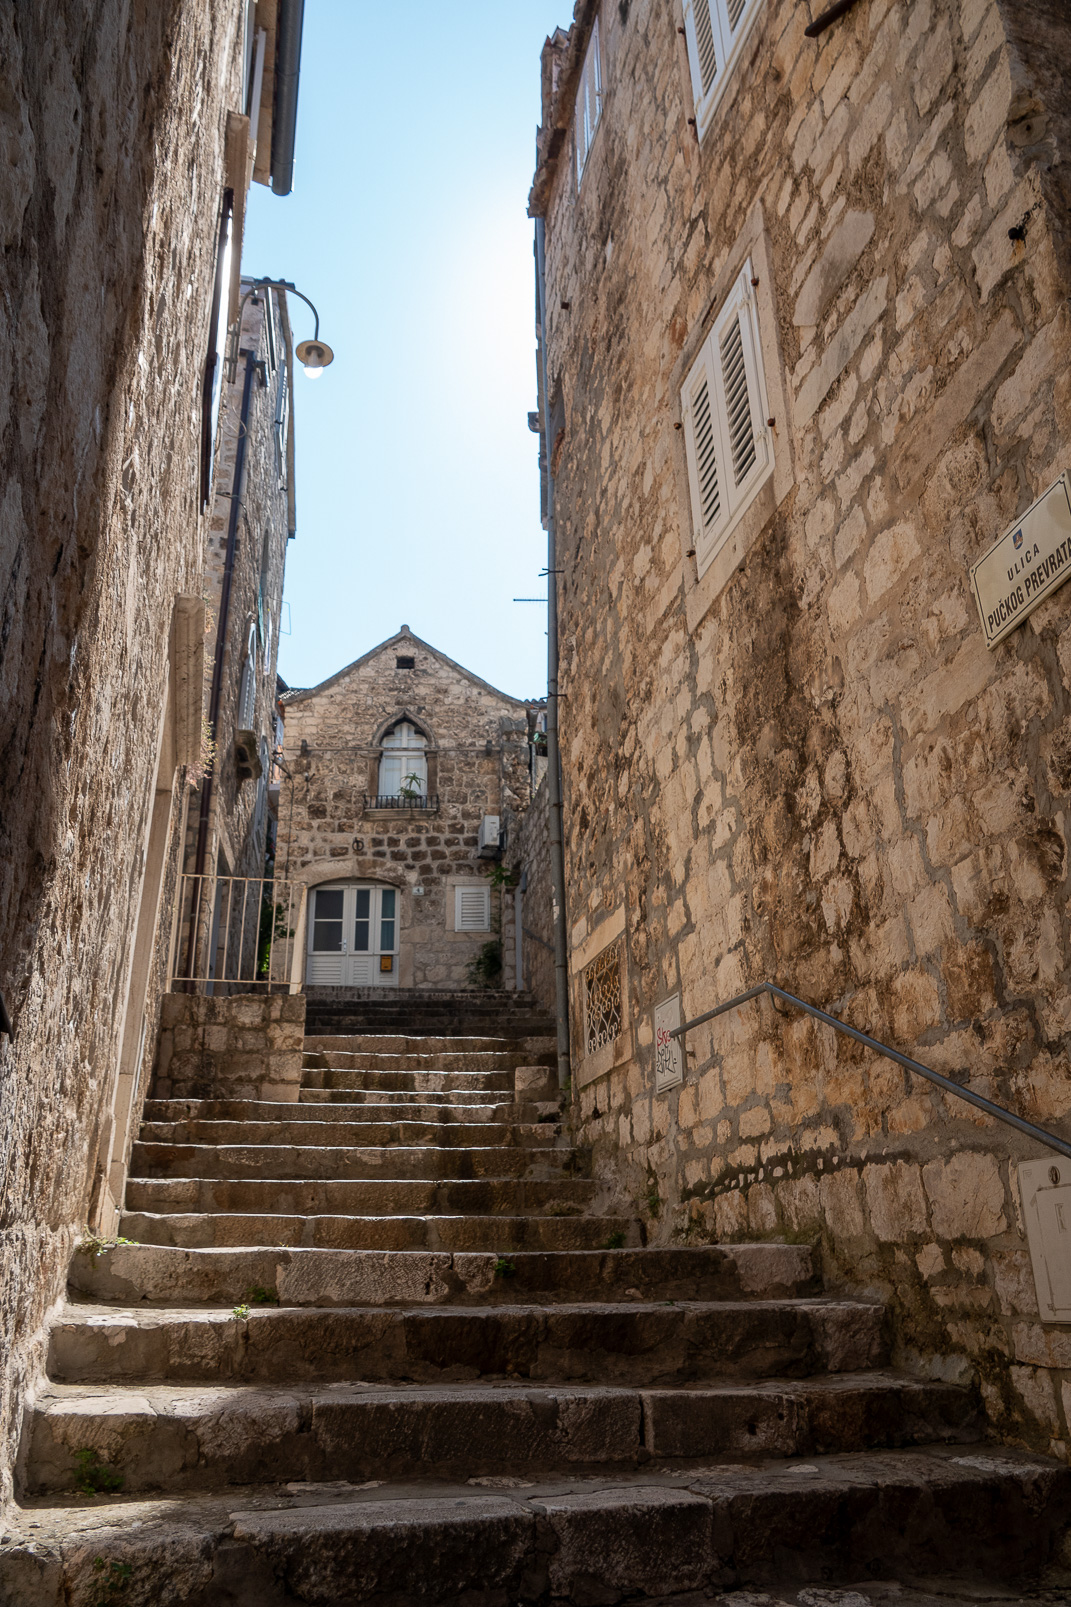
{"points": [[669, 1061], [1028, 562]]}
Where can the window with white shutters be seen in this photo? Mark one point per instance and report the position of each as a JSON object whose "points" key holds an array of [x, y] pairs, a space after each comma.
{"points": [[588, 102], [723, 407], [472, 909], [715, 31]]}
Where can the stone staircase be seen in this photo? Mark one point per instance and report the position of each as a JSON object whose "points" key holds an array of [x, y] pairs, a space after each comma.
{"points": [[389, 1345]]}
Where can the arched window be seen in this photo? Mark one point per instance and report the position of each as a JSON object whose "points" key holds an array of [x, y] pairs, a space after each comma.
{"points": [[403, 763]]}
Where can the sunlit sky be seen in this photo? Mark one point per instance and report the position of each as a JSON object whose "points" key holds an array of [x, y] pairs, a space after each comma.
{"points": [[417, 476]]}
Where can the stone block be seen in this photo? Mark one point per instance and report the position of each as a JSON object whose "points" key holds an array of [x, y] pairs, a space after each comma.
{"points": [[895, 1201], [966, 1195]]}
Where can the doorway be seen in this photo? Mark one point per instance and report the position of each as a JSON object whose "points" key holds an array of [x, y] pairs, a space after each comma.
{"points": [[353, 936]]}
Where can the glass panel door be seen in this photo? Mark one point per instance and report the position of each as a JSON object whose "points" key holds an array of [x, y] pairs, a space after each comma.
{"points": [[327, 921], [387, 923], [353, 937], [362, 922]]}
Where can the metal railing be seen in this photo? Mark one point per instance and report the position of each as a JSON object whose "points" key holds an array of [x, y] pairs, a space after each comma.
{"points": [[401, 800], [237, 934], [945, 1083]]}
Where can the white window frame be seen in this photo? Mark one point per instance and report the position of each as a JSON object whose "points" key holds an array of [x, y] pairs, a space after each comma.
{"points": [[708, 417], [247, 695], [712, 62], [472, 908], [588, 108], [404, 748]]}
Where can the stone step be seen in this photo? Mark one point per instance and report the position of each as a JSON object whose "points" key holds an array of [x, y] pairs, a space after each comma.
{"points": [[498, 1234], [429, 1081], [425, 1162], [412, 1043], [316, 1105], [363, 1060], [635, 1343], [198, 1437], [359, 1196], [434, 1107], [303, 1131], [312, 1277], [989, 1513]]}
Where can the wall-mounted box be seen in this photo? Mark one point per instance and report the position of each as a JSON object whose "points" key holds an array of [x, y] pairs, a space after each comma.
{"points": [[1045, 1188]]}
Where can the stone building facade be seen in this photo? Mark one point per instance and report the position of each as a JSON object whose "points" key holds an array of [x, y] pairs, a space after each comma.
{"points": [[251, 521], [392, 767], [128, 140], [808, 352]]}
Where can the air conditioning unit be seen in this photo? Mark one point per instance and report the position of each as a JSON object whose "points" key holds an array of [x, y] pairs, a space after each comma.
{"points": [[490, 837]]}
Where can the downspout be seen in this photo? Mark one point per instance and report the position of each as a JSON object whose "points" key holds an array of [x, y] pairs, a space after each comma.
{"points": [[216, 694], [288, 341], [554, 774], [285, 97]]}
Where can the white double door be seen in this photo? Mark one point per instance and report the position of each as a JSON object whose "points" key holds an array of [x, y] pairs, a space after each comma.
{"points": [[353, 936]]}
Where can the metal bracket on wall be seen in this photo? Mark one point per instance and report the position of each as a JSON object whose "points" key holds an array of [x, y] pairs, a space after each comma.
{"points": [[823, 20]]}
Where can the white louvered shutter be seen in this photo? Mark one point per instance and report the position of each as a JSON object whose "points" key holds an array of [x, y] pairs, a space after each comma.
{"points": [[723, 403], [588, 101], [713, 29], [472, 909], [703, 441]]}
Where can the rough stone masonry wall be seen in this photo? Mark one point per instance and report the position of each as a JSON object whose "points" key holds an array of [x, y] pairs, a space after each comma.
{"points": [[528, 851], [819, 774], [238, 822], [478, 758], [111, 132], [246, 1046]]}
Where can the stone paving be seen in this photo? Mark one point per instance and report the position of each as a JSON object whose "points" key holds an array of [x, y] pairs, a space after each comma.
{"points": [[427, 1363]]}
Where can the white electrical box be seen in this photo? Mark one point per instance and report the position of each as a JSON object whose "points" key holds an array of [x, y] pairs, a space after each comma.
{"points": [[1045, 1189], [490, 836]]}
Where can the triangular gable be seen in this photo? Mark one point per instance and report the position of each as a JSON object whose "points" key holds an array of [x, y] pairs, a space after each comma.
{"points": [[301, 695]]}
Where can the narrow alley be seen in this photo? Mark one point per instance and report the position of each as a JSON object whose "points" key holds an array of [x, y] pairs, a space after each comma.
{"points": [[598, 1141]]}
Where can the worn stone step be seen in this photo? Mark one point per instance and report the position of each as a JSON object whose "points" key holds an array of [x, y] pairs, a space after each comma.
{"points": [[472, 1064], [359, 1196], [412, 1043], [989, 1514], [353, 1133], [635, 1343], [196, 1437], [424, 1162], [304, 1277], [500, 1234], [428, 1080], [432, 1107]]}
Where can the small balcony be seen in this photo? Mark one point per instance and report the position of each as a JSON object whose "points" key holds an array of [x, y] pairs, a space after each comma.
{"points": [[401, 803]]}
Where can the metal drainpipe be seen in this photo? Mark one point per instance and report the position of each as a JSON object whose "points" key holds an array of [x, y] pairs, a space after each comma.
{"points": [[225, 606], [554, 774]]}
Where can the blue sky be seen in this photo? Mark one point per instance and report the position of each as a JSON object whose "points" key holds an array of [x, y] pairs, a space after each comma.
{"points": [[417, 476]]}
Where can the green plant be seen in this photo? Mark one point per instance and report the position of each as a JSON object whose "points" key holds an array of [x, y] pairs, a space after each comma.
{"points": [[95, 1244], [92, 1476], [485, 970], [616, 1241], [654, 1199], [505, 1268], [115, 1576], [503, 876], [411, 786], [241, 1312], [259, 1296]]}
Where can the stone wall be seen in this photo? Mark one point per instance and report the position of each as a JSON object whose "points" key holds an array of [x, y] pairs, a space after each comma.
{"points": [[477, 765], [236, 823], [246, 1046], [805, 765], [528, 853], [112, 128]]}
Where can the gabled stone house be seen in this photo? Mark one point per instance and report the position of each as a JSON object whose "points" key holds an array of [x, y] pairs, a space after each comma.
{"points": [[401, 774], [807, 351]]}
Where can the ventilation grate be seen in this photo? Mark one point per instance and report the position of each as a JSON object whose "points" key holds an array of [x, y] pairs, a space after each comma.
{"points": [[736, 9]]}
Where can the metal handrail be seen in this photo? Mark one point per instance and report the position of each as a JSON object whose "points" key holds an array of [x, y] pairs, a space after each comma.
{"points": [[946, 1083]]}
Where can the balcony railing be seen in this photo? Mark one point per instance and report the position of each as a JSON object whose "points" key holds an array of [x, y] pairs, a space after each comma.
{"points": [[236, 934], [402, 800]]}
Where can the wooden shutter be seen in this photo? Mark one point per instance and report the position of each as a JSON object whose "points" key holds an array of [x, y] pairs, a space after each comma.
{"points": [[723, 406], [588, 101], [703, 442], [472, 909], [701, 32]]}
